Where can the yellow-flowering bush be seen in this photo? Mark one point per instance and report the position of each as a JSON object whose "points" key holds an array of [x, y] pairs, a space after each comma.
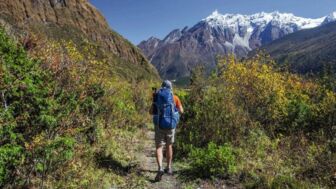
{"points": [[242, 97]]}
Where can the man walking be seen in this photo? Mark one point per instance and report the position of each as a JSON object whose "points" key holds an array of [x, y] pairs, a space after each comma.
{"points": [[165, 110]]}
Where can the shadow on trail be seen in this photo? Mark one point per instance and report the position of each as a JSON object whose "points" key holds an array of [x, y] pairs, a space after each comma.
{"points": [[147, 171], [186, 175], [191, 175], [152, 180], [108, 162], [142, 172], [155, 171]]}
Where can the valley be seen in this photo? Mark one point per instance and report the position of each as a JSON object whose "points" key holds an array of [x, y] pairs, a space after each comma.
{"points": [[258, 93]]}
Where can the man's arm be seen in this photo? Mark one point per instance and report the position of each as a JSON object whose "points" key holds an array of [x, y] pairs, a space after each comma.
{"points": [[178, 104], [181, 110]]}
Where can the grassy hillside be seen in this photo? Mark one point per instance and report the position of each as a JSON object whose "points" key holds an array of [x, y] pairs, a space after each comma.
{"points": [[73, 95], [306, 51], [67, 118]]}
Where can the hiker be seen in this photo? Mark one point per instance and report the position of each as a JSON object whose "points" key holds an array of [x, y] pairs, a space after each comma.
{"points": [[165, 110]]}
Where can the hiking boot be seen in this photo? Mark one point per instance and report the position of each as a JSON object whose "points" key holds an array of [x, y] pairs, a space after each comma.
{"points": [[159, 176], [168, 171]]}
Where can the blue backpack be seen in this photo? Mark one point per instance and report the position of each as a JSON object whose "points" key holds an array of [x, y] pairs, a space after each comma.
{"points": [[167, 115]]}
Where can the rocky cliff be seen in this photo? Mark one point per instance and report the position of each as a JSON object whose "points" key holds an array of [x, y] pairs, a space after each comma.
{"points": [[71, 19]]}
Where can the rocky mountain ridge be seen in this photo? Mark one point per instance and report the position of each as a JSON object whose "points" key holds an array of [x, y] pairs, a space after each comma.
{"points": [[181, 50], [70, 19], [310, 51]]}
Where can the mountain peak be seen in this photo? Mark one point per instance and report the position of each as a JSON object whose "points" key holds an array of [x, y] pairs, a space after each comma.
{"points": [[332, 15], [261, 19], [330, 18], [215, 13], [152, 38]]}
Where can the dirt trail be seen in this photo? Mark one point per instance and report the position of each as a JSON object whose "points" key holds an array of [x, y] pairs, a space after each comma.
{"points": [[148, 166]]}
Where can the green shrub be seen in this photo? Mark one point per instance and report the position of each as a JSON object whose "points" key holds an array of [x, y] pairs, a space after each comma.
{"points": [[213, 161], [11, 156], [285, 182], [38, 116], [255, 182]]}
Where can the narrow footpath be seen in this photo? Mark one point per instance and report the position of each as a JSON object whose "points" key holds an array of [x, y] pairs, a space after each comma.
{"points": [[148, 167]]}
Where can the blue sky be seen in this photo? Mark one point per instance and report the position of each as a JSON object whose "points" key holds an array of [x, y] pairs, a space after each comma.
{"points": [[138, 20]]}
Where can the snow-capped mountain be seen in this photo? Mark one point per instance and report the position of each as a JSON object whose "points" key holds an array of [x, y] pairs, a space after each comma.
{"points": [[220, 34], [260, 20], [245, 27], [330, 18]]}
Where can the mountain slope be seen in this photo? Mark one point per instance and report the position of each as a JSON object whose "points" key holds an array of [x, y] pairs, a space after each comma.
{"points": [[74, 20], [182, 50], [307, 50], [73, 94]]}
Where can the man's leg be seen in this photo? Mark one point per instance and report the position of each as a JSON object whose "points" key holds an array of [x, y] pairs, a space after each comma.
{"points": [[169, 155], [159, 138], [169, 150], [159, 156]]}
